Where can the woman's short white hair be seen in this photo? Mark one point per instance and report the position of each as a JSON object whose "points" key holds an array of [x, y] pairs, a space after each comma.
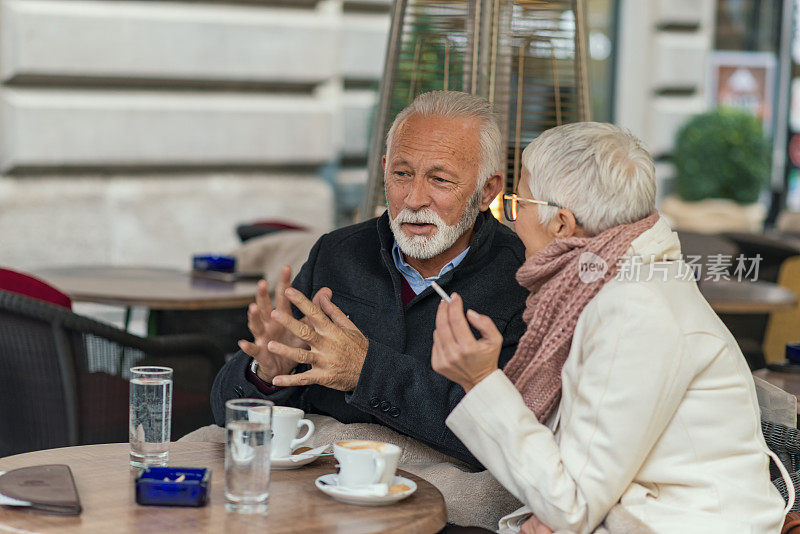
{"points": [[598, 171], [457, 104]]}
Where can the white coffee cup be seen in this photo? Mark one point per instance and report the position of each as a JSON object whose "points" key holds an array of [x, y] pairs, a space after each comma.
{"points": [[363, 463], [286, 422]]}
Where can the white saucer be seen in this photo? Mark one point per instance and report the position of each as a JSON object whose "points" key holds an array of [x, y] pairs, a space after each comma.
{"points": [[330, 488], [285, 462]]}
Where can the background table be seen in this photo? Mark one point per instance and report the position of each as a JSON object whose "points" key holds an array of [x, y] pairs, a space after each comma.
{"points": [[105, 483], [149, 287], [734, 297]]}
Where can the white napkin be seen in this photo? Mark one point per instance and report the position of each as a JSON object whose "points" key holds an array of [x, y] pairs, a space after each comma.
{"points": [[319, 451], [8, 501], [373, 490], [513, 522]]}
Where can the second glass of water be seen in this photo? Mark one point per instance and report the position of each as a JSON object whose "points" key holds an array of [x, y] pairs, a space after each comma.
{"points": [[247, 447], [150, 418]]}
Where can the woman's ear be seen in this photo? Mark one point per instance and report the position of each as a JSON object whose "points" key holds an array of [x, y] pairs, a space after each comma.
{"points": [[563, 225]]}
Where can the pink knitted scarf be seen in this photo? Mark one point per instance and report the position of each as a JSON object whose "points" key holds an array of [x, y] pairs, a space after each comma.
{"points": [[558, 296]]}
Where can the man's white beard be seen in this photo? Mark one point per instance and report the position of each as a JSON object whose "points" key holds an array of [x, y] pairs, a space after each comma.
{"points": [[425, 248]]}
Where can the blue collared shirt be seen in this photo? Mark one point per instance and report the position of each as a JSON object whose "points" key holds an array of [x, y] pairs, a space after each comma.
{"points": [[412, 276]]}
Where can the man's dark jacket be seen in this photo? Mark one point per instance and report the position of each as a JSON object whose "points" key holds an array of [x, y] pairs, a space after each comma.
{"points": [[397, 387]]}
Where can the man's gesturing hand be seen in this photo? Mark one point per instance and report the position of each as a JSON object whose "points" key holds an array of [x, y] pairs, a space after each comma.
{"points": [[265, 329], [336, 347]]}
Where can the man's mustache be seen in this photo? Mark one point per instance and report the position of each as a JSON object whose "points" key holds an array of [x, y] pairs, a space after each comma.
{"points": [[424, 216]]}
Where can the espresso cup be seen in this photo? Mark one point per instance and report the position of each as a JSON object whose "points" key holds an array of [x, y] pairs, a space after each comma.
{"points": [[286, 423], [362, 462]]}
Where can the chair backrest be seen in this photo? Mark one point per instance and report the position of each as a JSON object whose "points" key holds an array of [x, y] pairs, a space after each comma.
{"points": [[773, 250], [33, 404], [784, 327], [64, 378], [264, 226], [25, 284], [47, 397]]}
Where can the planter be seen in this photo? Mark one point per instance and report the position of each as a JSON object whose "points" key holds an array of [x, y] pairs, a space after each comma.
{"points": [[713, 216]]}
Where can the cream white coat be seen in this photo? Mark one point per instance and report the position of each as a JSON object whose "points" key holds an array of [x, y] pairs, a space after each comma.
{"points": [[658, 412]]}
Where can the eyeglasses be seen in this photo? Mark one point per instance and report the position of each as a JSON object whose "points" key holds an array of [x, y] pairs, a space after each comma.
{"points": [[510, 206]]}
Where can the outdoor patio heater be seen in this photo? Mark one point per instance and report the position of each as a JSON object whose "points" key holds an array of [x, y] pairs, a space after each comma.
{"points": [[527, 57]]}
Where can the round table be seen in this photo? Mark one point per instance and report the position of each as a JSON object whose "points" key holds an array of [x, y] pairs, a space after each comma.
{"points": [[150, 287], [731, 296], [105, 483]]}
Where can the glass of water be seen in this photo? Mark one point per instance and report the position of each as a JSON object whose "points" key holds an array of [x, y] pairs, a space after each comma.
{"points": [[247, 446], [150, 418]]}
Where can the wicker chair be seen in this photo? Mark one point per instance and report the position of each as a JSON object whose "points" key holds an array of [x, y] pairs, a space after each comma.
{"points": [[64, 377], [785, 443]]}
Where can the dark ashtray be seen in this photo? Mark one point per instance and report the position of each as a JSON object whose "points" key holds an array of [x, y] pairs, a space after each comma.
{"points": [[211, 262], [173, 486]]}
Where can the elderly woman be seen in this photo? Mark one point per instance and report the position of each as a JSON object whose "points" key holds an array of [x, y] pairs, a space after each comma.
{"points": [[626, 387]]}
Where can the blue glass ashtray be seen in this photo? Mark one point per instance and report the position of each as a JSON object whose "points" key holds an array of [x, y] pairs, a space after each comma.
{"points": [[173, 486], [793, 353], [209, 262]]}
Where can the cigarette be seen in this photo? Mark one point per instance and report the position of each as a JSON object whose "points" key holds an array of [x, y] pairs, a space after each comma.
{"points": [[441, 292]]}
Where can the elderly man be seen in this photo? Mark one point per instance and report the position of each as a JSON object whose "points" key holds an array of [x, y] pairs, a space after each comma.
{"points": [[361, 352]]}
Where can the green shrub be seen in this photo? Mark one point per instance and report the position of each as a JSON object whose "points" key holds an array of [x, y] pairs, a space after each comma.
{"points": [[722, 154]]}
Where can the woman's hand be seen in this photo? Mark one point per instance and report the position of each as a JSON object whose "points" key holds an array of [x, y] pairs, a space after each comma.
{"points": [[456, 353], [534, 526]]}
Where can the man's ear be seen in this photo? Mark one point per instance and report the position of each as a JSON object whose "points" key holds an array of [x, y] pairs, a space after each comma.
{"points": [[491, 189], [383, 163]]}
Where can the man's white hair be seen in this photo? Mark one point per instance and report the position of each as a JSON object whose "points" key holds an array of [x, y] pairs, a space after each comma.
{"points": [[456, 104], [600, 172]]}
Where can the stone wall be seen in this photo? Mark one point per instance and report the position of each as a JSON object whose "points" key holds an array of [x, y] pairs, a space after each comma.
{"points": [[661, 76], [143, 131], [140, 132]]}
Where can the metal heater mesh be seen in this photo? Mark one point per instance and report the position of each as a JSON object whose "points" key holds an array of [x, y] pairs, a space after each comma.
{"points": [[527, 57]]}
